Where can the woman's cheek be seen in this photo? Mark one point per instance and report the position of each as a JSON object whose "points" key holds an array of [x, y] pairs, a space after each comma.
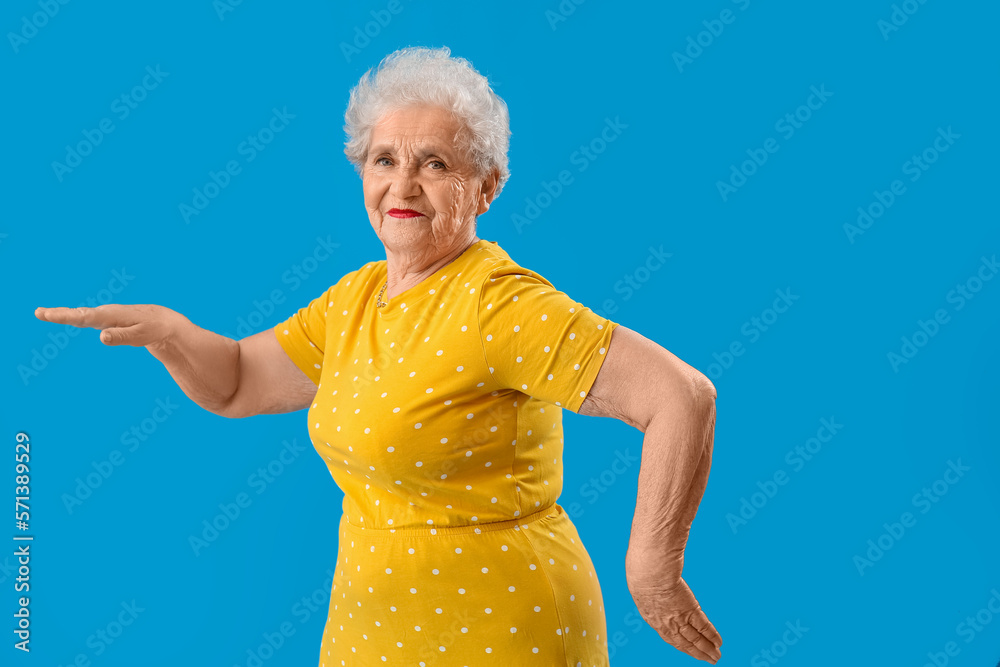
{"points": [[456, 196]]}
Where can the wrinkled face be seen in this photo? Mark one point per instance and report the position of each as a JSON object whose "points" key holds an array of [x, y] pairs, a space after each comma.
{"points": [[421, 191]]}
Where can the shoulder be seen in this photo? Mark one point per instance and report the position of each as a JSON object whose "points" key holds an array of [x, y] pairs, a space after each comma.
{"points": [[499, 272], [358, 280]]}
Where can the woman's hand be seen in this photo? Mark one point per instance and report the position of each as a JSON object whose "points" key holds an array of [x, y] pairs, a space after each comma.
{"points": [[669, 607], [230, 378], [136, 325]]}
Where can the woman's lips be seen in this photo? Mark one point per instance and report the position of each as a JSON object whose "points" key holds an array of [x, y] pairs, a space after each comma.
{"points": [[404, 213]]}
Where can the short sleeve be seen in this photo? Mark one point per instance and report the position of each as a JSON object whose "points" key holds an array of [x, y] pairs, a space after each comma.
{"points": [[303, 336], [538, 340]]}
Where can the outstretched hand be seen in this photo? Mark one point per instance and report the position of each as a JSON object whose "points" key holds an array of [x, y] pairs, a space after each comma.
{"points": [[136, 325], [672, 610]]}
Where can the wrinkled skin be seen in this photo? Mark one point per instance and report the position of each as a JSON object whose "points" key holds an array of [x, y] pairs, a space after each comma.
{"points": [[417, 160]]}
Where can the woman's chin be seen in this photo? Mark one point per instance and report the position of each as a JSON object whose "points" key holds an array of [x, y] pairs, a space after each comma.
{"points": [[404, 232]]}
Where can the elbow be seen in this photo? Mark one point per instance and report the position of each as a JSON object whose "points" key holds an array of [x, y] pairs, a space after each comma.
{"points": [[701, 399], [704, 389], [230, 410]]}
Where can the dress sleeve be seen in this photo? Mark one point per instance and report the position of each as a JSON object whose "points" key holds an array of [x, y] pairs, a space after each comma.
{"points": [[538, 340], [303, 336]]}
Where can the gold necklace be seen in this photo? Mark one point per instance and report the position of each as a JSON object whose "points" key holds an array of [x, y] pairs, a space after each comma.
{"points": [[378, 300]]}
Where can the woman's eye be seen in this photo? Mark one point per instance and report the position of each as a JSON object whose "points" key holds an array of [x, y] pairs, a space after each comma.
{"points": [[382, 161], [439, 163]]}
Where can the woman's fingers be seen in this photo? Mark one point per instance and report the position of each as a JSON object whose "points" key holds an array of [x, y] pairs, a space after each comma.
{"points": [[705, 627], [676, 616], [676, 638], [707, 648], [135, 335], [101, 317], [120, 324]]}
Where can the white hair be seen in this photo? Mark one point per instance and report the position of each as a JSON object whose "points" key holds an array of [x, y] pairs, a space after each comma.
{"points": [[418, 76]]}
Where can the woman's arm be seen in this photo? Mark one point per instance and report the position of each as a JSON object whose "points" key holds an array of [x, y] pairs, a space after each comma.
{"points": [[646, 386], [230, 378]]}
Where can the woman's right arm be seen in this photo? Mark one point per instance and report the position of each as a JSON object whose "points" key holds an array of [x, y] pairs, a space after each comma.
{"points": [[230, 378]]}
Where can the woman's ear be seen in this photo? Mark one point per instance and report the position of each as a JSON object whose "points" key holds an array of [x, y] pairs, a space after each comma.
{"points": [[487, 191]]}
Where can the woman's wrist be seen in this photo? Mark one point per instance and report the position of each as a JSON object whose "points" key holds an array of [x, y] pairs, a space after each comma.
{"points": [[655, 562], [171, 327]]}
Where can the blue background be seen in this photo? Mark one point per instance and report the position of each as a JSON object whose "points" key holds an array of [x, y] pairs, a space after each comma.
{"points": [[656, 185]]}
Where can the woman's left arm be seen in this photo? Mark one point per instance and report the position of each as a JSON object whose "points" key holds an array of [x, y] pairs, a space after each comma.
{"points": [[673, 404]]}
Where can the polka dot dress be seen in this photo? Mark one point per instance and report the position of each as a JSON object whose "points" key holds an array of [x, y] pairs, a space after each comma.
{"points": [[440, 418]]}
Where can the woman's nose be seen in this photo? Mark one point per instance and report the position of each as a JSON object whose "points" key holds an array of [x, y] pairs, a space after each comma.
{"points": [[406, 184]]}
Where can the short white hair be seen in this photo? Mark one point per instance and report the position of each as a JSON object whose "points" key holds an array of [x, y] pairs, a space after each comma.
{"points": [[415, 76]]}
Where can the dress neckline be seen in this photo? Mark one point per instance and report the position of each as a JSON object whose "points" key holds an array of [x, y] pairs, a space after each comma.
{"points": [[405, 299]]}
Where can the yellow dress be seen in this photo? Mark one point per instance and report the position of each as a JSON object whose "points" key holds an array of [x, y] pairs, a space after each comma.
{"points": [[440, 417]]}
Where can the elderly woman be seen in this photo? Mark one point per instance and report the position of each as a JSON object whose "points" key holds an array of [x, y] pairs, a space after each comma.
{"points": [[435, 381]]}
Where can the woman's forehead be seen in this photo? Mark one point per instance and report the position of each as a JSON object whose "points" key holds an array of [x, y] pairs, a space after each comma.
{"points": [[416, 123]]}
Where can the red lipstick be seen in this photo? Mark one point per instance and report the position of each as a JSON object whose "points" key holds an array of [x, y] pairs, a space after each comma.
{"points": [[404, 213]]}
